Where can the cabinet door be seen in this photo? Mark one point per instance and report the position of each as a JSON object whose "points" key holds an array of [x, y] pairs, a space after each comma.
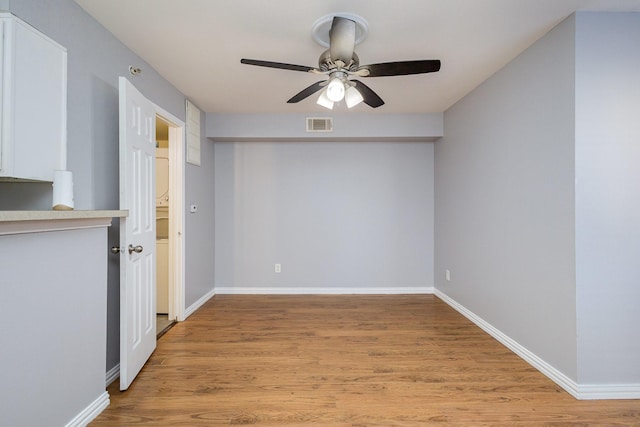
{"points": [[34, 103], [4, 139]]}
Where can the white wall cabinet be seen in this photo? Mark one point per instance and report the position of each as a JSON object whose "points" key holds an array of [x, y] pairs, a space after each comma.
{"points": [[33, 108]]}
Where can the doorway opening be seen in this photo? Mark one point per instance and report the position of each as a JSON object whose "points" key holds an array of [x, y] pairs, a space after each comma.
{"points": [[163, 201], [169, 220]]}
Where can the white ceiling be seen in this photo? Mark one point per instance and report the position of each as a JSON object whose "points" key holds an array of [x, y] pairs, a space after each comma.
{"points": [[197, 45]]}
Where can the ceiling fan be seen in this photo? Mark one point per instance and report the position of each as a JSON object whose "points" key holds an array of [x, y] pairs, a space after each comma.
{"points": [[340, 62]]}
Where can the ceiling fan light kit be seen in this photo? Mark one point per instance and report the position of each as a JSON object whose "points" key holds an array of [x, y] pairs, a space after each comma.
{"points": [[352, 97], [324, 100], [340, 61], [335, 89]]}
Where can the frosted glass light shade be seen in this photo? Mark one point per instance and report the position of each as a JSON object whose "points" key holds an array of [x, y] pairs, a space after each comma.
{"points": [[335, 90], [352, 97], [324, 100]]}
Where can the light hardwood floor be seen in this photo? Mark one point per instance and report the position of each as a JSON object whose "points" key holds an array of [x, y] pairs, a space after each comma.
{"points": [[407, 360]]}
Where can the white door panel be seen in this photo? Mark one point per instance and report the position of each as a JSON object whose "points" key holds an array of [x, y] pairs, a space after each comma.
{"points": [[137, 232]]}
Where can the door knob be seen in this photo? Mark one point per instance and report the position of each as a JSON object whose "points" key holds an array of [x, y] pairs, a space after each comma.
{"points": [[115, 249], [137, 249]]}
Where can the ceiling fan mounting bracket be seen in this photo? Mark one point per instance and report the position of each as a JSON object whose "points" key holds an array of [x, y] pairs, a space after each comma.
{"points": [[320, 29]]}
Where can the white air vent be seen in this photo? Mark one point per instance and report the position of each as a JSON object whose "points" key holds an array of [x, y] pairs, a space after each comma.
{"points": [[319, 124]]}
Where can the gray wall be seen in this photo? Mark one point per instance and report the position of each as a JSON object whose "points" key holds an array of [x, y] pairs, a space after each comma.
{"points": [[504, 200], [199, 226], [292, 127], [53, 332], [339, 216], [95, 60], [608, 197], [537, 200]]}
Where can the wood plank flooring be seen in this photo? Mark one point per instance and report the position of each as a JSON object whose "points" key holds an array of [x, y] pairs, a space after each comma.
{"points": [[344, 361]]}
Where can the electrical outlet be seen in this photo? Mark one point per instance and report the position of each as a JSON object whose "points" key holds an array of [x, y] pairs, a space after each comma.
{"points": [[447, 275], [278, 268]]}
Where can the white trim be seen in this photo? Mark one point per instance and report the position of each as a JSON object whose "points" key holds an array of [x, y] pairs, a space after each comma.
{"points": [[90, 413], [303, 290], [556, 376], [579, 391], [608, 391], [196, 305], [112, 375]]}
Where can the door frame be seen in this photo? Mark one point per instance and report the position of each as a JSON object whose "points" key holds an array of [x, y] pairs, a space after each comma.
{"points": [[176, 212]]}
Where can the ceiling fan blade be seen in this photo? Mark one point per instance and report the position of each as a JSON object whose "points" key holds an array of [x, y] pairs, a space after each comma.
{"points": [[342, 39], [402, 68], [280, 65], [304, 93], [370, 97]]}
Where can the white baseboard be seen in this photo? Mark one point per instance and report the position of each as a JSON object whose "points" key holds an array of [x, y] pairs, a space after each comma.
{"points": [[112, 374], [241, 290], [608, 391], [90, 412], [579, 391], [555, 375], [196, 305]]}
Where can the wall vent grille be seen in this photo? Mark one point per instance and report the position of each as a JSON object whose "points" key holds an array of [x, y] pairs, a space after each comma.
{"points": [[319, 124]]}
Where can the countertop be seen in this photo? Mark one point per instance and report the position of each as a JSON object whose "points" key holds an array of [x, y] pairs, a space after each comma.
{"points": [[20, 222], [12, 216]]}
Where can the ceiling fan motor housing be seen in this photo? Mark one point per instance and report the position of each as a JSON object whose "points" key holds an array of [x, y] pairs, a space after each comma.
{"points": [[325, 63]]}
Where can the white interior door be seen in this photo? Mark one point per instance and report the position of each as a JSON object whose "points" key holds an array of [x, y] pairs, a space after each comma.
{"points": [[137, 232]]}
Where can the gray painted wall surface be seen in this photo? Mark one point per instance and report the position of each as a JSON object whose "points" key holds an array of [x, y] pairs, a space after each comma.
{"points": [[341, 215], [504, 197], [608, 197], [52, 299], [366, 127], [199, 226], [95, 60]]}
